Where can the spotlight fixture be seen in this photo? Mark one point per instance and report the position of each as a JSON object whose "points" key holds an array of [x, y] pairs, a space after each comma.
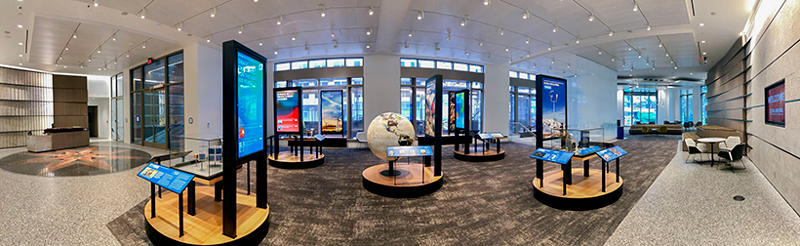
{"points": [[578, 40], [555, 28], [371, 10], [421, 15], [94, 2], [74, 35], [332, 35], [405, 44], [703, 41], [631, 68], [660, 45], [306, 46], [527, 40], [487, 2], [448, 35], [241, 29], [667, 54], [99, 49], [591, 17], [654, 67], [630, 47], [649, 27], [506, 48], [613, 59], [368, 46], [89, 60], [369, 32], [600, 52], [20, 43], [322, 14], [553, 61], [550, 69], [568, 65], [336, 45], [66, 48], [525, 16], [255, 1], [436, 46], [144, 45], [115, 61], [180, 26], [280, 20], [464, 22], [260, 43], [19, 26], [60, 58], [611, 33], [127, 54], [466, 52], [411, 33], [635, 6], [208, 40], [704, 53], [294, 37], [81, 65], [276, 52], [672, 61], [676, 67], [534, 65], [500, 30], [640, 56], [550, 47], [144, 12], [702, 24], [214, 12], [480, 43]]}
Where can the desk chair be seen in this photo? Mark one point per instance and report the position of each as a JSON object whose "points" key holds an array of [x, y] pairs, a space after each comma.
{"points": [[729, 143], [732, 156], [694, 148]]}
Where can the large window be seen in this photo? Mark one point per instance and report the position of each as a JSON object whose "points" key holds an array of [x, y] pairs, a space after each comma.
{"points": [[686, 106], [117, 120], [445, 65], [412, 102], [703, 105], [640, 105], [524, 114], [353, 99], [157, 113], [332, 62]]}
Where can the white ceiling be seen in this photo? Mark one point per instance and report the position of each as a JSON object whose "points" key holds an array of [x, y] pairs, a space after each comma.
{"points": [[674, 22]]}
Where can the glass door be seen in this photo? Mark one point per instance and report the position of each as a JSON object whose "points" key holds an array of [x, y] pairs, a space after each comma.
{"points": [[155, 118]]}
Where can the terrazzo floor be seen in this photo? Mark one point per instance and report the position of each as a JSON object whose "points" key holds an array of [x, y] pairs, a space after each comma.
{"points": [[691, 204]]}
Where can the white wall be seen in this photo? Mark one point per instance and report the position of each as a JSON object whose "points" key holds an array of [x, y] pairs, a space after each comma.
{"points": [[381, 86], [495, 99], [99, 90], [663, 105], [592, 96]]}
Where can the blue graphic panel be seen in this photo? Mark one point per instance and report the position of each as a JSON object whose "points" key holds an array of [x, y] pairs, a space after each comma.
{"points": [[401, 151], [171, 179], [587, 151], [556, 156], [611, 153], [250, 105]]}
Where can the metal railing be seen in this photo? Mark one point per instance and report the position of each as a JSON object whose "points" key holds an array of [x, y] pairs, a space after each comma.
{"points": [[524, 128]]}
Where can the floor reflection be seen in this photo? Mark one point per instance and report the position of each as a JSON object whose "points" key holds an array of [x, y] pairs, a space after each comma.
{"points": [[84, 161]]}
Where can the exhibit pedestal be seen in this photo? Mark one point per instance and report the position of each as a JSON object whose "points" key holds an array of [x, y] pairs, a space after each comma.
{"points": [[205, 227], [414, 180], [585, 192], [480, 156], [289, 160]]}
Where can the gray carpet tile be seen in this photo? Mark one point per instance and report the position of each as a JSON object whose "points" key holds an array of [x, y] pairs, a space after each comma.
{"points": [[480, 203]]}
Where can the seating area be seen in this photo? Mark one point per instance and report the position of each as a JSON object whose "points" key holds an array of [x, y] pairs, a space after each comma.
{"points": [[656, 129], [713, 131]]}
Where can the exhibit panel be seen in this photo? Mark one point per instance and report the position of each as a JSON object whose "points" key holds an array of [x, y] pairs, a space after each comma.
{"points": [[290, 127]]}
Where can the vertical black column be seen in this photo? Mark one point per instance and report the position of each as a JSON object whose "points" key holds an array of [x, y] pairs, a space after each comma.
{"points": [[261, 182], [190, 201], [617, 170], [603, 173], [152, 200], [437, 140], [180, 213], [539, 131], [229, 147]]}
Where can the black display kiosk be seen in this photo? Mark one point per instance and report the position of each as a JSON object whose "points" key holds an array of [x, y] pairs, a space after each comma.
{"points": [[460, 124], [289, 122], [242, 217], [414, 179]]}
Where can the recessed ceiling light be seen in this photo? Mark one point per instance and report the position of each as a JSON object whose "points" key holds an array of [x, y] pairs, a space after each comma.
{"points": [[20, 43], [276, 52], [368, 46], [19, 26], [487, 2], [94, 2], [703, 41], [704, 53], [260, 43], [20, 55], [702, 24]]}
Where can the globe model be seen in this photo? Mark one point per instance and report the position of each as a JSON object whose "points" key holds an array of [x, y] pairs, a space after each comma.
{"points": [[389, 129]]}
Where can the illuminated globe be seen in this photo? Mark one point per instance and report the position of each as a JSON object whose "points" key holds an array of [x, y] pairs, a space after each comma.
{"points": [[389, 129]]}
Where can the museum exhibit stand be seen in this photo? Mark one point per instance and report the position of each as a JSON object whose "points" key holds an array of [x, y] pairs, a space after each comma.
{"points": [[194, 212], [392, 138], [459, 122], [289, 127]]}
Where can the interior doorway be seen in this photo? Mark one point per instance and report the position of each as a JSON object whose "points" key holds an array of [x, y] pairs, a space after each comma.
{"points": [[92, 114]]}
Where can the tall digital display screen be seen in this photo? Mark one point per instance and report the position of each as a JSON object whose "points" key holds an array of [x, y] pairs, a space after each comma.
{"points": [[287, 111], [250, 101], [452, 112], [554, 108], [430, 107], [332, 111], [776, 103], [460, 112]]}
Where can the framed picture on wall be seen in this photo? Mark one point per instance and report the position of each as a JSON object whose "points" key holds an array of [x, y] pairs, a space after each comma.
{"points": [[775, 102]]}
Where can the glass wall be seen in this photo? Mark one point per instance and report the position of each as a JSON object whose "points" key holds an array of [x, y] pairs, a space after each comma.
{"points": [[353, 100], [640, 105], [157, 110], [117, 119], [412, 102], [686, 106], [445, 65], [319, 63], [703, 105], [525, 100]]}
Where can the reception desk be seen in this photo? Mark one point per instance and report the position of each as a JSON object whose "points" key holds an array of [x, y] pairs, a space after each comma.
{"points": [[58, 138]]}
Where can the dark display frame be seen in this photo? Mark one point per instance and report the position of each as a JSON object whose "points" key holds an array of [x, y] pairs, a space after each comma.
{"points": [[539, 117], [230, 134], [322, 114], [436, 139], [766, 104], [299, 91]]}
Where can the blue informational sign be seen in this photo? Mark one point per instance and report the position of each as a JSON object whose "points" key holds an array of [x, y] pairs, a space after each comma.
{"points": [[169, 178], [556, 156], [401, 151], [554, 104], [320, 137], [485, 136], [611, 153], [497, 134], [589, 150], [137, 119], [250, 103]]}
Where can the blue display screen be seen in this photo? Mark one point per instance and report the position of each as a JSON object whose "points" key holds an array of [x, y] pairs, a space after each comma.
{"points": [[589, 150], [554, 104], [560, 157], [169, 178], [460, 117], [400, 151], [611, 153], [250, 103], [497, 134]]}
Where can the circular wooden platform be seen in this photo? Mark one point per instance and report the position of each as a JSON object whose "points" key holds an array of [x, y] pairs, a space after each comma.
{"points": [[415, 180], [287, 160], [583, 194], [205, 227], [480, 156]]}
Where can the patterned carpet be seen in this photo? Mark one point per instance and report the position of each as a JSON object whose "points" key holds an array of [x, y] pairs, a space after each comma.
{"points": [[480, 203]]}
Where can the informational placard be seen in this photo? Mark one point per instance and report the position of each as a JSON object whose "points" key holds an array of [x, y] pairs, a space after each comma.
{"points": [[485, 136], [319, 137], [587, 151], [611, 153], [404, 151], [332, 111], [554, 105], [250, 103], [776, 103], [497, 134], [171, 179], [287, 111], [430, 108], [556, 156], [460, 109]]}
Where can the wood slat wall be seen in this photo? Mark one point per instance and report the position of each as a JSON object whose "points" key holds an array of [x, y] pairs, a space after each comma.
{"points": [[70, 101]]}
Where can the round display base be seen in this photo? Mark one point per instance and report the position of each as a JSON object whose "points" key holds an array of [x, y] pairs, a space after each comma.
{"points": [[390, 173], [205, 228], [583, 194], [480, 156], [287, 160], [413, 180]]}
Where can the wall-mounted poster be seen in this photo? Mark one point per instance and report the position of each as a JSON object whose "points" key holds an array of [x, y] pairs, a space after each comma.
{"points": [[775, 95], [554, 108], [332, 111], [250, 101], [460, 109], [430, 107], [452, 119], [287, 110]]}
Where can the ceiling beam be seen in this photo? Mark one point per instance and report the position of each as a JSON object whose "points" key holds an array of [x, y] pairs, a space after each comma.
{"points": [[392, 14], [588, 42]]}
